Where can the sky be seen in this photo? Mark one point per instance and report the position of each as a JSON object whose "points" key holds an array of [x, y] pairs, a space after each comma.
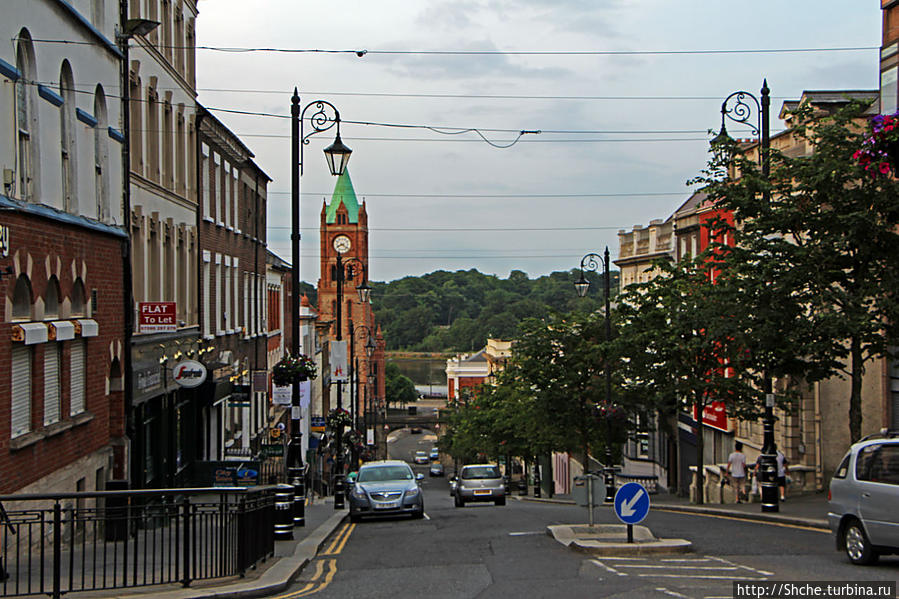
{"points": [[621, 132]]}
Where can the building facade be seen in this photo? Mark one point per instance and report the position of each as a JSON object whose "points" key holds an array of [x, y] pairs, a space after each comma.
{"points": [[63, 249]]}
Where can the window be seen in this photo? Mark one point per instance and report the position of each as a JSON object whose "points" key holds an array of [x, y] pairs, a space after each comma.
{"points": [[167, 150], [180, 159], [21, 299], [878, 464], [888, 90], [26, 113], [67, 138], [136, 143], [207, 303], [204, 170], [101, 156], [52, 379], [79, 301], [76, 377], [51, 299], [153, 135], [20, 386]]}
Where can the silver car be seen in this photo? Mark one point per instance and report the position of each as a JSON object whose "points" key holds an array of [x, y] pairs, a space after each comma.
{"points": [[480, 482], [386, 487], [863, 496]]}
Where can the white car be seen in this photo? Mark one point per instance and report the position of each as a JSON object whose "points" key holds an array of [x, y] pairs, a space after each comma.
{"points": [[421, 457]]}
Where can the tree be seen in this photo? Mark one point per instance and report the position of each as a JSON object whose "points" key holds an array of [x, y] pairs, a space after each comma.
{"points": [[681, 348], [823, 229], [398, 388]]}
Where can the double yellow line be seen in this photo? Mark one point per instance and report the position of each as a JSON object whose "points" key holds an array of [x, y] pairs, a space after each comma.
{"points": [[325, 569]]}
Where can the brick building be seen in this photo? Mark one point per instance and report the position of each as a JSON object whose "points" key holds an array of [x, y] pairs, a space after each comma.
{"points": [[63, 251]]}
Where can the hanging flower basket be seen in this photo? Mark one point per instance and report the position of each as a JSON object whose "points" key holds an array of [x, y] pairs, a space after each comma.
{"points": [[879, 154], [338, 419], [290, 369]]}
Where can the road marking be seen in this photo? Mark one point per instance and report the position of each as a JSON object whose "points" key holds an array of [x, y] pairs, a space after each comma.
{"points": [[609, 568], [681, 567], [340, 540], [751, 569], [332, 571], [750, 520], [523, 534], [705, 576], [623, 559], [427, 517], [671, 593]]}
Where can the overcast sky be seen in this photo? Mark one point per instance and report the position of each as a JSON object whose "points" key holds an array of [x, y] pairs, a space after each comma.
{"points": [[453, 202]]}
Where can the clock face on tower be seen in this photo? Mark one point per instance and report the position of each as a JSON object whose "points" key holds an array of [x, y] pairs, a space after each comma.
{"points": [[342, 244]]}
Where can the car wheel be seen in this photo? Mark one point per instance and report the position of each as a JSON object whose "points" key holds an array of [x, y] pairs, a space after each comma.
{"points": [[418, 514], [500, 501], [459, 502], [858, 547]]}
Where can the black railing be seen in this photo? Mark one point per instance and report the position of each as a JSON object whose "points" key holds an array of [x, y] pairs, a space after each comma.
{"points": [[60, 543]]}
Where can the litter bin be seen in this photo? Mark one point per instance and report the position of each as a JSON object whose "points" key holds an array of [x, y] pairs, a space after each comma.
{"points": [[116, 512], [523, 486], [283, 512]]}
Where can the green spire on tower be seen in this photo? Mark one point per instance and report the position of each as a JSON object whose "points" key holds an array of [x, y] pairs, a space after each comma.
{"points": [[343, 192]]}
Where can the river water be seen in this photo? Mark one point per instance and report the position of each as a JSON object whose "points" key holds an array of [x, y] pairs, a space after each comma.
{"points": [[428, 374]]}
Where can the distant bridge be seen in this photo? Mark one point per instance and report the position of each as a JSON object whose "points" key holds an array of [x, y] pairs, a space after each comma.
{"points": [[423, 418]]}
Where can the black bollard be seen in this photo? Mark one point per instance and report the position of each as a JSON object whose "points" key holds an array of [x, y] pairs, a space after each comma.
{"points": [[284, 512]]}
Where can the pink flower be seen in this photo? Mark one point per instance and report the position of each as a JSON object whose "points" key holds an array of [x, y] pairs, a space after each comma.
{"points": [[884, 168]]}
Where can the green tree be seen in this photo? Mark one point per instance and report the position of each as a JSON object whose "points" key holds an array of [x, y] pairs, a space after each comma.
{"points": [[398, 388], [823, 229]]}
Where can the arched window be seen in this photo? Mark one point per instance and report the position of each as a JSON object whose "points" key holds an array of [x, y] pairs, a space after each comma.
{"points": [[67, 138], [26, 118], [115, 376], [51, 298], [101, 155], [78, 298], [21, 299]]}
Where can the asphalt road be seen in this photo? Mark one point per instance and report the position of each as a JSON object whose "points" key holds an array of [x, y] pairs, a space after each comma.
{"points": [[487, 551]]}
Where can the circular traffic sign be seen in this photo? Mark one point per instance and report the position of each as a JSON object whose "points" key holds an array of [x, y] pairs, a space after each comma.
{"points": [[631, 503]]}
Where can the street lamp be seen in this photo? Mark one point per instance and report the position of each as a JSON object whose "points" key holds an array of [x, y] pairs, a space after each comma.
{"points": [[324, 117], [364, 291], [354, 373], [593, 262], [736, 108]]}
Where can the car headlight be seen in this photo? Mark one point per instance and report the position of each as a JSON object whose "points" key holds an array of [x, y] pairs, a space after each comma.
{"points": [[357, 492], [412, 492]]}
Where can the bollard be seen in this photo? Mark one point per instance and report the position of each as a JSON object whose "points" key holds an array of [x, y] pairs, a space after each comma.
{"points": [[537, 482], [297, 480], [523, 486], [284, 512]]}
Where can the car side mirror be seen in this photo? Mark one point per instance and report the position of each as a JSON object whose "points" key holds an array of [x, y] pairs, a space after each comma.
{"points": [[419, 476]]}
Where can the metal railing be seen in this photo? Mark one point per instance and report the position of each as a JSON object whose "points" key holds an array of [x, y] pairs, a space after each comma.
{"points": [[51, 544]]}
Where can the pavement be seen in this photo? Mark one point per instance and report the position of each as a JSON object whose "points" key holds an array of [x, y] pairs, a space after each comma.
{"points": [[270, 577], [807, 509]]}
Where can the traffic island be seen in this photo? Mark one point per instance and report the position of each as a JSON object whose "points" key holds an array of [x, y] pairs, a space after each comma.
{"points": [[611, 539]]}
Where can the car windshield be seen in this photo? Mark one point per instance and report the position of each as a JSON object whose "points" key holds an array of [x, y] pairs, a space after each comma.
{"points": [[384, 473], [420, 453], [470, 472]]}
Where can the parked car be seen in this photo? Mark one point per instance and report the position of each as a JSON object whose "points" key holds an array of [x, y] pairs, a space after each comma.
{"points": [[436, 469], [434, 454], [386, 487], [420, 457], [453, 484], [863, 496], [480, 482]]}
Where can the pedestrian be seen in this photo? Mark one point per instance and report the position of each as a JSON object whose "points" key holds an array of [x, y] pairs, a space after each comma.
{"points": [[736, 469]]}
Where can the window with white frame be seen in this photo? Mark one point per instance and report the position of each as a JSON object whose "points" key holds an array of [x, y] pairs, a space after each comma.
{"points": [[226, 194], [232, 199], [246, 304], [235, 297], [226, 294], [207, 292], [20, 387], [204, 173], [68, 153], [101, 156], [27, 138], [78, 361], [219, 285]]}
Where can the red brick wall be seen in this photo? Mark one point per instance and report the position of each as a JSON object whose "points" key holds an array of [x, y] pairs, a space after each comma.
{"points": [[102, 255]]}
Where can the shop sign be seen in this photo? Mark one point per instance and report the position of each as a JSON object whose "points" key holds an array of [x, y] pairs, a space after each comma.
{"points": [[157, 317], [338, 359], [189, 373]]}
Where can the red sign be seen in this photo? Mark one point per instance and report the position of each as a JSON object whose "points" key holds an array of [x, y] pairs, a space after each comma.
{"points": [[157, 317], [714, 415]]}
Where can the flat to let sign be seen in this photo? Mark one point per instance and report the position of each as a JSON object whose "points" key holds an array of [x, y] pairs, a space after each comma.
{"points": [[157, 317]]}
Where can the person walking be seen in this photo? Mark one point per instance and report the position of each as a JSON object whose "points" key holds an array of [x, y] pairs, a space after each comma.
{"points": [[783, 466], [736, 470]]}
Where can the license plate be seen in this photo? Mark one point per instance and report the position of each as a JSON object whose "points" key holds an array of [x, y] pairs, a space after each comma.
{"points": [[387, 505], [482, 492]]}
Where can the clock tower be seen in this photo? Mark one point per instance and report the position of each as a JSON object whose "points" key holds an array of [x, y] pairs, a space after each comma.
{"points": [[344, 231]]}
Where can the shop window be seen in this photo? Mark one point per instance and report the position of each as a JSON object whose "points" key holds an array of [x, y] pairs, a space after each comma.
{"points": [[51, 299]]}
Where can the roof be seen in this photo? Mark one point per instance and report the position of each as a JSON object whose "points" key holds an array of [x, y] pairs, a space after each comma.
{"points": [[832, 97], [693, 202], [345, 194], [481, 356]]}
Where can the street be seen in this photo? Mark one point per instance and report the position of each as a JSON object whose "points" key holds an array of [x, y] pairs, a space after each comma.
{"points": [[488, 551]]}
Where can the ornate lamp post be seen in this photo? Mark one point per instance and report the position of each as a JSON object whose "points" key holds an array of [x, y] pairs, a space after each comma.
{"points": [[324, 117], [592, 263], [736, 108], [364, 291]]}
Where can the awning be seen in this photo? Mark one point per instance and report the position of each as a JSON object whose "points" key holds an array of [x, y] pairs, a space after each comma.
{"points": [[30, 332], [89, 327], [63, 330]]}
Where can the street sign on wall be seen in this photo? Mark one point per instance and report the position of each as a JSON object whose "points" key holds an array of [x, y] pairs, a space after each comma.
{"points": [[157, 317]]}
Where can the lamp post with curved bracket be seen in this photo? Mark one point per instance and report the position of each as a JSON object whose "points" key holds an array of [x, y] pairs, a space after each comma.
{"points": [[364, 291], [592, 263], [736, 108], [354, 375], [323, 117]]}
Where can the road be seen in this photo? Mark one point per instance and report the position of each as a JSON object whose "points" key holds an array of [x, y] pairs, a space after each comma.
{"points": [[487, 551]]}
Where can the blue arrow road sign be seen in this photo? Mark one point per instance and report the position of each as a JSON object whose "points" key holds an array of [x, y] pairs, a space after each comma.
{"points": [[631, 503]]}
